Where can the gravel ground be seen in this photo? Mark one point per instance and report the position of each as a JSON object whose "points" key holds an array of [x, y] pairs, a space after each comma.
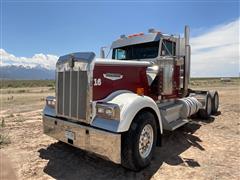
{"points": [[199, 150]]}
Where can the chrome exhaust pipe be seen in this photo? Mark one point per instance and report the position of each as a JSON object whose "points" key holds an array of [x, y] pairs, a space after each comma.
{"points": [[187, 62]]}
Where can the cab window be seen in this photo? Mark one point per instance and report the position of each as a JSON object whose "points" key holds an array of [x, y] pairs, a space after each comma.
{"points": [[168, 48], [120, 54], [137, 51]]}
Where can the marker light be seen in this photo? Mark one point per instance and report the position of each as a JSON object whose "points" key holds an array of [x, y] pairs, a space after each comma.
{"points": [[140, 91], [134, 35]]}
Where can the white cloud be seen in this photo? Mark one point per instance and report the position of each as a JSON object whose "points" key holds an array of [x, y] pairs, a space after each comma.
{"points": [[216, 52], [47, 61]]}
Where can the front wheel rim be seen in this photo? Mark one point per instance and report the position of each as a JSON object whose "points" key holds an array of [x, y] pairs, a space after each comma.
{"points": [[146, 141]]}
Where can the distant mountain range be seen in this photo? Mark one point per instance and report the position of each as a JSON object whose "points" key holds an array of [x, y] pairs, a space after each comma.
{"points": [[38, 67], [26, 73]]}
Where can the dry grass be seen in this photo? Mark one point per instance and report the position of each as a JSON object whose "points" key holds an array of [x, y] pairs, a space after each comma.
{"points": [[4, 138]]}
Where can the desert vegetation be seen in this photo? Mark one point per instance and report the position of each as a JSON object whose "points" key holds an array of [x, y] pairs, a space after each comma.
{"points": [[26, 83]]}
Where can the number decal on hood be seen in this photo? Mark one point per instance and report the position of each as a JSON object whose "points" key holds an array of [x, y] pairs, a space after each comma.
{"points": [[97, 82]]}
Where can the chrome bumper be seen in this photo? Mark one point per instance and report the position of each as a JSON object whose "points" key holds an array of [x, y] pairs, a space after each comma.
{"points": [[105, 144]]}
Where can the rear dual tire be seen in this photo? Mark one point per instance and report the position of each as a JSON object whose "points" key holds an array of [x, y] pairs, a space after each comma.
{"points": [[211, 105], [139, 142], [206, 112], [215, 101]]}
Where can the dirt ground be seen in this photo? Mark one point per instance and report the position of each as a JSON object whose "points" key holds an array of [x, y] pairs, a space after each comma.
{"points": [[199, 150]]}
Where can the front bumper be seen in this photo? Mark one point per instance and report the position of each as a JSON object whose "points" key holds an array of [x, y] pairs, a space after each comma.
{"points": [[103, 143]]}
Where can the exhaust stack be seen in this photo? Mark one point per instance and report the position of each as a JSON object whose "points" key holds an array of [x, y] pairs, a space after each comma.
{"points": [[102, 53], [187, 60]]}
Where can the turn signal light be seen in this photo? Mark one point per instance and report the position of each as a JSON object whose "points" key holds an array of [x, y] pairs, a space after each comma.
{"points": [[140, 91]]}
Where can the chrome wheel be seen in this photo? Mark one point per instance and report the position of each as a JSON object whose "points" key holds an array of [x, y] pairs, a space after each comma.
{"points": [[146, 141]]}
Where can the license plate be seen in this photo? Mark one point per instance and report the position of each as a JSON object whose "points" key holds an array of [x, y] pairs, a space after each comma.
{"points": [[69, 135]]}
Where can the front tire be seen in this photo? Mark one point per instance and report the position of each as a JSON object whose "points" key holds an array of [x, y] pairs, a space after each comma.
{"points": [[139, 142]]}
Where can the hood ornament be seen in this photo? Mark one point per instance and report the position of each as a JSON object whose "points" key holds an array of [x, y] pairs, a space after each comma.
{"points": [[113, 76]]}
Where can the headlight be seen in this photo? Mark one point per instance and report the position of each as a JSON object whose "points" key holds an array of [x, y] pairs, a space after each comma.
{"points": [[51, 101], [100, 110], [108, 111]]}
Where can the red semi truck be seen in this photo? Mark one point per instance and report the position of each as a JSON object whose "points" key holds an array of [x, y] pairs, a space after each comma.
{"points": [[118, 108]]}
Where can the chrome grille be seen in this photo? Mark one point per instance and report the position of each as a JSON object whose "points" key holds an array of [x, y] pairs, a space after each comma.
{"points": [[72, 94]]}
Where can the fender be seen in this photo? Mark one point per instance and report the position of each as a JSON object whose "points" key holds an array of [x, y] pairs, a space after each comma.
{"points": [[130, 104]]}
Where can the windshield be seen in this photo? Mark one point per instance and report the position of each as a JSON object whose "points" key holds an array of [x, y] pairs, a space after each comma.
{"points": [[137, 51]]}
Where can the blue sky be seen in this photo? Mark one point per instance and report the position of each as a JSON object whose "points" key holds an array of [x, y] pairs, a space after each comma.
{"points": [[33, 27]]}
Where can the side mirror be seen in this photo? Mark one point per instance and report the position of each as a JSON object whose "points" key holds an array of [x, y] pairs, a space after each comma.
{"points": [[102, 53]]}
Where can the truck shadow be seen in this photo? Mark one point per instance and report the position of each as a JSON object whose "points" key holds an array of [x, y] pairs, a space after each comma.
{"points": [[67, 162], [211, 119]]}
